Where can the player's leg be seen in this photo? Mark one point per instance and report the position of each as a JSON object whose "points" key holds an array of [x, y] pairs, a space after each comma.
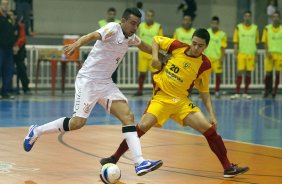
{"points": [[241, 65], [142, 69], [121, 110], [268, 67], [217, 69], [277, 80], [83, 104], [141, 79], [198, 122], [148, 120], [250, 66], [278, 69]]}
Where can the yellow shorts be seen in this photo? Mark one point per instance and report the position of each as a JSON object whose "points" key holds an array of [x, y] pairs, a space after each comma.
{"points": [[216, 65], [246, 62], [164, 106], [145, 62], [275, 62]]}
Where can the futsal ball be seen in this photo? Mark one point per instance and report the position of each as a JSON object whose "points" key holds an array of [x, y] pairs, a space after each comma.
{"points": [[110, 173]]}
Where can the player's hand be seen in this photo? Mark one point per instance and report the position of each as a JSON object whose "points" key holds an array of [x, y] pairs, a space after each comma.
{"points": [[156, 63], [16, 49], [268, 55], [69, 49]]}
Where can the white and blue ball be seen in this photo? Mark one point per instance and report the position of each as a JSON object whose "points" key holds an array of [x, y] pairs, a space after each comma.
{"points": [[110, 173]]}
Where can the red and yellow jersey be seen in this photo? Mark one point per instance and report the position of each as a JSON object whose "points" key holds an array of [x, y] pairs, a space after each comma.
{"points": [[182, 72]]}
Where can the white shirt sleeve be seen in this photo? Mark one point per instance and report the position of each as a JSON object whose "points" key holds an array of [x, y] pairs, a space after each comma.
{"points": [[108, 31]]}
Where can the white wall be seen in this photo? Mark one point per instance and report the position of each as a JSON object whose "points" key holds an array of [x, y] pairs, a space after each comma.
{"points": [[81, 16]]}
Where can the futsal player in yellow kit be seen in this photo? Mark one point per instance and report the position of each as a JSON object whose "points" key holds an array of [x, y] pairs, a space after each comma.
{"points": [[187, 68], [245, 38], [185, 32], [215, 51], [146, 31], [272, 39]]}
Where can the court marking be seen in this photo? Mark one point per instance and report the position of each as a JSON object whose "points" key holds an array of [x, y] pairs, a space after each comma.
{"points": [[261, 113], [61, 140], [230, 140], [8, 167]]}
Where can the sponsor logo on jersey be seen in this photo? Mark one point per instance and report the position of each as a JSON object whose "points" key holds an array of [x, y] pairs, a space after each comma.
{"points": [[86, 107]]}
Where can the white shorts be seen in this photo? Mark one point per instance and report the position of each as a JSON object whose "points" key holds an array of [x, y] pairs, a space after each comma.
{"points": [[88, 92]]}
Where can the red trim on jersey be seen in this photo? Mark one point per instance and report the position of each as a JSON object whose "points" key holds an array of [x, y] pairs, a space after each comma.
{"points": [[175, 45], [204, 66]]}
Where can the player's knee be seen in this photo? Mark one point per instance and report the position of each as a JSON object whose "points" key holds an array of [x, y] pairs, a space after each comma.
{"points": [[128, 118], [77, 123], [143, 127]]}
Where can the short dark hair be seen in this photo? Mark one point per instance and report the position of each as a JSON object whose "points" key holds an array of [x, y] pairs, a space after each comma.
{"points": [[215, 18], [139, 4], [128, 11], [111, 9], [202, 33], [277, 12], [248, 11]]}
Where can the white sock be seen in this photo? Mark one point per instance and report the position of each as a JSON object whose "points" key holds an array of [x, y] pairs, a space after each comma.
{"points": [[55, 126], [134, 146]]}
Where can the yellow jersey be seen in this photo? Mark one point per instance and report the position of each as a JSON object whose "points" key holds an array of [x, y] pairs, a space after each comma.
{"points": [[184, 35], [147, 32], [247, 38], [272, 36], [182, 72]]}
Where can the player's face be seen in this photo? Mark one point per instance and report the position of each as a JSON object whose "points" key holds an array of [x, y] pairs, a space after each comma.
{"points": [[247, 18], [111, 16], [198, 46], [187, 22], [149, 17], [214, 25], [276, 18], [4, 5], [130, 26]]}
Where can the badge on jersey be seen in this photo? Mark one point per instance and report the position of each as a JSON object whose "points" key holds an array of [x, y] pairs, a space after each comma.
{"points": [[186, 65]]}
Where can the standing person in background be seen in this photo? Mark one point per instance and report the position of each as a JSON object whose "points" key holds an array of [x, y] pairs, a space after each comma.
{"points": [[146, 31], [188, 7], [185, 32], [111, 17], [245, 38], [7, 40], [216, 50], [271, 8], [19, 51], [139, 5], [272, 39], [23, 9]]}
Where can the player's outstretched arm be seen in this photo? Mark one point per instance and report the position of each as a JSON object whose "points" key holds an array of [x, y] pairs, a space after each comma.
{"points": [[145, 47], [155, 54], [84, 40]]}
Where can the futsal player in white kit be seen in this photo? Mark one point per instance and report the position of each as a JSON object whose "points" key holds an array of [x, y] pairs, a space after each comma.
{"points": [[94, 85]]}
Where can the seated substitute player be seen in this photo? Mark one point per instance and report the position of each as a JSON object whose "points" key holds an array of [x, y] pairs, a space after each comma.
{"points": [[186, 67], [94, 84]]}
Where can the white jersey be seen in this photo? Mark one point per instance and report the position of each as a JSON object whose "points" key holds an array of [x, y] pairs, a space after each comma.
{"points": [[107, 53]]}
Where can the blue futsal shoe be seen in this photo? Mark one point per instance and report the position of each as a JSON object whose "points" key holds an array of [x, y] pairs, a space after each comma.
{"points": [[147, 166], [30, 138]]}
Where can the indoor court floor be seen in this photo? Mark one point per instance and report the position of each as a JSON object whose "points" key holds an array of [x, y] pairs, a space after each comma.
{"points": [[252, 130]]}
